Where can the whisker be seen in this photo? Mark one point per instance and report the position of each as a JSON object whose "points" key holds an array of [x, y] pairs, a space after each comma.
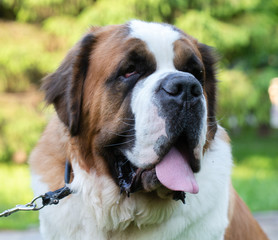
{"points": [[129, 119], [118, 144], [125, 162], [123, 120], [212, 129], [128, 124], [121, 134], [212, 124], [128, 130]]}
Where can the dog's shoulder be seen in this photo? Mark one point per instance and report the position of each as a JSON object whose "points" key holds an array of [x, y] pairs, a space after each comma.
{"points": [[48, 158], [242, 224]]}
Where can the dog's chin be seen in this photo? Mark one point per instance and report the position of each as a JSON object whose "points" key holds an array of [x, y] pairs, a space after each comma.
{"points": [[165, 177]]}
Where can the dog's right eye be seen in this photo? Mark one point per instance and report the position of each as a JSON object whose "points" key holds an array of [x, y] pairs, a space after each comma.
{"points": [[131, 70]]}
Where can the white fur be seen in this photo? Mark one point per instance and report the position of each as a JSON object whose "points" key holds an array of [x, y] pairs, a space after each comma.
{"points": [[159, 39], [149, 126], [97, 210]]}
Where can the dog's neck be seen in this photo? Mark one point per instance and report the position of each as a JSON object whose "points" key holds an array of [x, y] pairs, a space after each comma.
{"points": [[114, 211]]}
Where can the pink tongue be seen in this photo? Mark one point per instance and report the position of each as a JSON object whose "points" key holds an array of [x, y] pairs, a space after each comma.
{"points": [[175, 173]]}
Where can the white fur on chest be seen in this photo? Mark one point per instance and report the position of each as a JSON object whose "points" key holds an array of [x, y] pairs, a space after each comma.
{"points": [[98, 211]]}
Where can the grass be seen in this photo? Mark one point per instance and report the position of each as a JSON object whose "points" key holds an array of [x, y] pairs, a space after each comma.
{"points": [[255, 174], [15, 189], [255, 177]]}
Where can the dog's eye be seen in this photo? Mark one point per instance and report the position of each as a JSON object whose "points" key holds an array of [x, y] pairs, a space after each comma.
{"points": [[198, 73], [131, 70]]}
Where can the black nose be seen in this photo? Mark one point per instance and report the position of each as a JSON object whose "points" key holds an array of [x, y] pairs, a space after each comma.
{"points": [[180, 87]]}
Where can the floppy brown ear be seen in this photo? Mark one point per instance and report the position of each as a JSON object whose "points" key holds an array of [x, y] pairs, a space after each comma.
{"points": [[64, 88], [210, 59]]}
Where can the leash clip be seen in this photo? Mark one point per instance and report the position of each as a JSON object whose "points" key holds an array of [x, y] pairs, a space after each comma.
{"points": [[48, 198], [32, 206]]}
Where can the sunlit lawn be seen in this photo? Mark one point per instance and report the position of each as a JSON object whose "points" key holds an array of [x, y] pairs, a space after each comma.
{"points": [[255, 174], [255, 177], [15, 189]]}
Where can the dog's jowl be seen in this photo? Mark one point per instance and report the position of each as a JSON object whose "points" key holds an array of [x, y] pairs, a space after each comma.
{"points": [[135, 117]]}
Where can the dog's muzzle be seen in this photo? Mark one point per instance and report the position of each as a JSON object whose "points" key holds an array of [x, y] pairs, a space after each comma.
{"points": [[179, 99]]}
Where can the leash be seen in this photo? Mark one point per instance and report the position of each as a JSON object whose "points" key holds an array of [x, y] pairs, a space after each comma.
{"points": [[48, 198]]}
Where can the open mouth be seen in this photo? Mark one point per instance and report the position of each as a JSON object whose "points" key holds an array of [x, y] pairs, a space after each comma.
{"points": [[175, 171]]}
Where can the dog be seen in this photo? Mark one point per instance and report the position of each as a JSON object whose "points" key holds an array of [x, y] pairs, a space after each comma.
{"points": [[135, 117]]}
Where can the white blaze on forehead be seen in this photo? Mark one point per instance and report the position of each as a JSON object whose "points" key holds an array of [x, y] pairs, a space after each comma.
{"points": [[160, 40]]}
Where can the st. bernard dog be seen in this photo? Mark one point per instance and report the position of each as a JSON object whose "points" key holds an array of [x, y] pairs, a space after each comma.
{"points": [[135, 108]]}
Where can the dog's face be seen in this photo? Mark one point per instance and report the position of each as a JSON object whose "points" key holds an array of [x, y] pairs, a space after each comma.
{"points": [[139, 101]]}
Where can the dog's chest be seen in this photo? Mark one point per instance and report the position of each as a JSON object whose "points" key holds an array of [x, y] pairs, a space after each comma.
{"points": [[96, 210]]}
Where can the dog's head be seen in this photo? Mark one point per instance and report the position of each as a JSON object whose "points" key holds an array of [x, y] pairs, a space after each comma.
{"points": [[139, 101]]}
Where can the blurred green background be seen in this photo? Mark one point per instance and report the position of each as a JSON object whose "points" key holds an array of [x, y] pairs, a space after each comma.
{"points": [[36, 34]]}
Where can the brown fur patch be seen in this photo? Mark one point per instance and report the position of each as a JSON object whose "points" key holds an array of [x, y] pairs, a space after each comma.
{"points": [[184, 49], [48, 158], [64, 87], [242, 225], [105, 106], [224, 136]]}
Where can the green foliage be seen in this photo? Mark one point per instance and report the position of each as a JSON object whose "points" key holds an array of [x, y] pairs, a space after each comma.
{"points": [[103, 14], [27, 54], [38, 10], [235, 83], [21, 124], [223, 36]]}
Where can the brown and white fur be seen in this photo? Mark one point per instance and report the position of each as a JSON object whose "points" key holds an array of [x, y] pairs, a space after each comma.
{"points": [[117, 111]]}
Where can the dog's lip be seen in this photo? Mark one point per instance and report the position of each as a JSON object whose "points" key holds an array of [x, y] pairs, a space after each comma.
{"points": [[146, 178], [189, 153]]}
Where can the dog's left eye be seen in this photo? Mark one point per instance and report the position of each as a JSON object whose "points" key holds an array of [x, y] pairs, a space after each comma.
{"points": [[131, 70]]}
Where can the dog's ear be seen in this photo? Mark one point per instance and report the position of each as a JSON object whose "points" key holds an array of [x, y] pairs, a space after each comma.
{"points": [[64, 88], [210, 58]]}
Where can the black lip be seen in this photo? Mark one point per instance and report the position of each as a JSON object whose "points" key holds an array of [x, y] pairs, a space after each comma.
{"points": [[188, 151], [132, 179], [125, 174], [140, 179], [184, 145]]}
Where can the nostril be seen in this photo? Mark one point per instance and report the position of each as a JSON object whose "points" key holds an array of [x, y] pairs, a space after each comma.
{"points": [[196, 90]]}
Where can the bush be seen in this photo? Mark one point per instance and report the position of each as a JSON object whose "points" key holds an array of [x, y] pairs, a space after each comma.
{"points": [[27, 54], [21, 124]]}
